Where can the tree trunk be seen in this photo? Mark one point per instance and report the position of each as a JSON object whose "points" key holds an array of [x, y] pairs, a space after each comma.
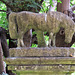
{"points": [[2, 68], [60, 37], [64, 6]]}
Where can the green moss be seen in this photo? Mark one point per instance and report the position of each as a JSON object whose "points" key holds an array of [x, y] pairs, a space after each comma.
{"points": [[50, 22], [41, 73]]}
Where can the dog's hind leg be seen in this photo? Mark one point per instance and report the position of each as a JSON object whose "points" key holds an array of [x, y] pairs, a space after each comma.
{"points": [[52, 40]]}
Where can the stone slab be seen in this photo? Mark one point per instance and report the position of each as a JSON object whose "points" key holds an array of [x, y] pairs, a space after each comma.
{"points": [[39, 60], [50, 68], [42, 73], [45, 51]]}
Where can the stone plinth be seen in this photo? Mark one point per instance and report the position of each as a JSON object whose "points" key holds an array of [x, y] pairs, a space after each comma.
{"points": [[41, 61], [57, 51]]}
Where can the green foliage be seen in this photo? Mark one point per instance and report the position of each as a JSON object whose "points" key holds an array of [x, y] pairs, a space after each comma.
{"points": [[8, 42], [72, 2], [3, 20], [28, 5], [51, 2], [59, 1], [34, 45], [46, 4], [73, 73], [73, 45], [45, 7], [34, 5], [34, 32], [74, 11], [46, 39]]}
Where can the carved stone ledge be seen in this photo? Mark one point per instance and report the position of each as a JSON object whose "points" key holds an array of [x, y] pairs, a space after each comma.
{"points": [[57, 51], [50, 68], [39, 60]]}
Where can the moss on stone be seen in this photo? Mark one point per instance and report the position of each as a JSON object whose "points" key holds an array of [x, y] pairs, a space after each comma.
{"points": [[50, 22]]}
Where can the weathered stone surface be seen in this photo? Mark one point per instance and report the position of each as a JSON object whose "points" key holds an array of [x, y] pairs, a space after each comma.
{"points": [[44, 51], [49, 68], [21, 22], [13, 28], [39, 60], [41, 73], [43, 70]]}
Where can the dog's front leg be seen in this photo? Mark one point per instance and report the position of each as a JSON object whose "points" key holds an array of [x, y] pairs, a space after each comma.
{"points": [[41, 39]]}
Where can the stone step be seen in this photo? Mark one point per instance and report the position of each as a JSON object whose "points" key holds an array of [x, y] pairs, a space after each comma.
{"points": [[39, 60], [41, 65], [50, 72], [43, 69], [54, 51]]}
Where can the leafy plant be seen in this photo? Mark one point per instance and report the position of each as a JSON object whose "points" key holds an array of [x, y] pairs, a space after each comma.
{"points": [[73, 73], [74, 11], [46, 4], [46, 39], [3, 20], [72, 2], [73, 45], [59, 1], [8, 42], [45, 7], [34, 32], [34, 45]]}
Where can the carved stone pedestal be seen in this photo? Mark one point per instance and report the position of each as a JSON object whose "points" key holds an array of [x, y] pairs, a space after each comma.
{"points": [[41, 61]]}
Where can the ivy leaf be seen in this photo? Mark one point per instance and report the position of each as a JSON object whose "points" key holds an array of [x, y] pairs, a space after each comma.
{"points": [[59, 1]]}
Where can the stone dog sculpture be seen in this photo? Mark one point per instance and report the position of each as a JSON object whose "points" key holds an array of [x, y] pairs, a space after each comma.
{"points": [[21, 22]]}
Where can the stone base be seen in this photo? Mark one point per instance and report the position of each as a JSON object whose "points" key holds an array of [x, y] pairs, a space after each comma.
{"points": [[41, 61]]}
